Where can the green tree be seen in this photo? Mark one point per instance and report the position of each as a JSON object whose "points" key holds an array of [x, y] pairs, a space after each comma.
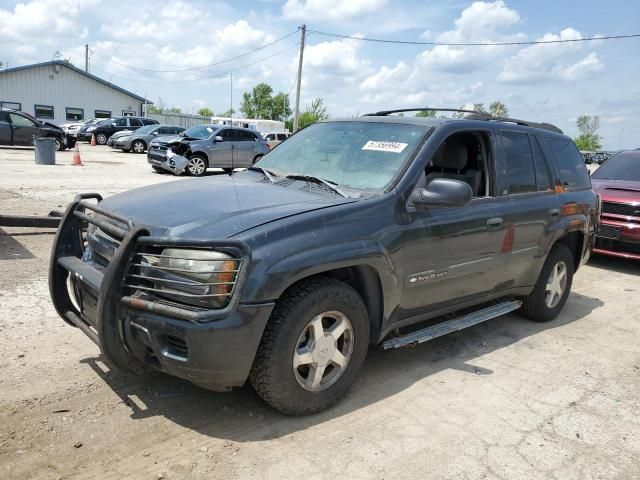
{"points": [[151, 108], [281, 109], [258, 103], [459, 114], [205, 112], [426, 113], [588, 138], [229, 113], [313, 113], [498, 109], [479, 107]]}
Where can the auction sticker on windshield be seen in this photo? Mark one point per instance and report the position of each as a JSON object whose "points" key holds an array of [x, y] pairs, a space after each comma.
{"points": [[380, 146]]}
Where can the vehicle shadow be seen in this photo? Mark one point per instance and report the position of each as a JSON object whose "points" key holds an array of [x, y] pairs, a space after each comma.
{"points": [[620, 265], [11, 249], [243, 417]]}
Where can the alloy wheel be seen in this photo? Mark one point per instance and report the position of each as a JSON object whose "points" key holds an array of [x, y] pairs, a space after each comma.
{"points": [[323, 351], [556, 285], [197, 166], [138, 147]]}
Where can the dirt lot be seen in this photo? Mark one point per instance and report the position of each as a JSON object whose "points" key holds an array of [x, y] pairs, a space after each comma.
{"points": [[508, 399]]}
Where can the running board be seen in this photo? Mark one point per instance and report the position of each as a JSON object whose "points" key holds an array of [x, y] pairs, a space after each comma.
{"points": [[440, 329]]}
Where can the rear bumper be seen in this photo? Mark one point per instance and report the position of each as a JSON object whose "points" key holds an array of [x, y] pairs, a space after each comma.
{"points": [[216, 354]]}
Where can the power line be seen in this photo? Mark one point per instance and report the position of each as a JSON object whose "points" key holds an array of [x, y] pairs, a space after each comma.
{"points": [[221, 74], [474, 44], [200, 67]]}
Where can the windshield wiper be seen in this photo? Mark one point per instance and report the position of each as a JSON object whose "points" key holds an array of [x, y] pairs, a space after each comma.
{"points": [[311, 178], [265, 172]]}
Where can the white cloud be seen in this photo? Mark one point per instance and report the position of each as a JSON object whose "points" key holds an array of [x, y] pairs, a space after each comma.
{"points": [[386, 76], [551, 61], [332, 10]]}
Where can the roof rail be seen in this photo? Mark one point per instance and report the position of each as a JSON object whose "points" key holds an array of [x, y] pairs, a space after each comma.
{"points": [[473, 115]]}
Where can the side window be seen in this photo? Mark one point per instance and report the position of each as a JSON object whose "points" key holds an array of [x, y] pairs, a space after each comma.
{"points": [[226, 134], [43, 111], [543, 176], [573, 171], [134, 122], [148, 121], [516, 173], [121, 122], [74, 113], [21, 121], [271, 136]]}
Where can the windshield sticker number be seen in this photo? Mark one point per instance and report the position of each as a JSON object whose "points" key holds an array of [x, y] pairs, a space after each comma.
{"points": [[379, 146]]}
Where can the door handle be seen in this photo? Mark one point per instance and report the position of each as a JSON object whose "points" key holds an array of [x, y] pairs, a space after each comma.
{"points": [[495, 222], [554, 212]]}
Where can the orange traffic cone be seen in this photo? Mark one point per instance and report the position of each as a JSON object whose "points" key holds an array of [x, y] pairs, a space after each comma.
{"points": [[93, 140], [76, 158]]}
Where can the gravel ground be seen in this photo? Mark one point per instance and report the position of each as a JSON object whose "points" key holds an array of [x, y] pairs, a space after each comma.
{"points": [[508, 399]]}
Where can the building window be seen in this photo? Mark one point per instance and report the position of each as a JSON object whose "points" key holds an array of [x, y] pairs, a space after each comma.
{"points": [[128, 113], [102, 114], [43, 111], [11, 105], [75, 113]]}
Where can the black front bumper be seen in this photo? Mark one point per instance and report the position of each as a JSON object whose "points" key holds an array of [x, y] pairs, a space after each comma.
{"points": [[213, 349]]}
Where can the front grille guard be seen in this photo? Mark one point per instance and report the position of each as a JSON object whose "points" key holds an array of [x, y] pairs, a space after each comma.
{"points": [[70, 242]]}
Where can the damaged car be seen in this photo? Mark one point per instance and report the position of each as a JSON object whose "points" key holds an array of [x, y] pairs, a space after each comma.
{"points": [[20, 128], [206, 146]]}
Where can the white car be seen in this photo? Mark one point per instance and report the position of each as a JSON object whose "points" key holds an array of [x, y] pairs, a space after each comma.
{"points": [[275, 139]]}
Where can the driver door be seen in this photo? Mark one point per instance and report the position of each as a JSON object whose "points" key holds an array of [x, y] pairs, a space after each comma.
{"points": [[23, 129]]}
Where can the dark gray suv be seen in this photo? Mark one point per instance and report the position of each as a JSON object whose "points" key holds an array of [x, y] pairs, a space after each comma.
{"points": [[373, 230], [209, 146]]}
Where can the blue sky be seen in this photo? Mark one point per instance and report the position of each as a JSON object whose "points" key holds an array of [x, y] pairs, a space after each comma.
{"points": [[553, 83]]}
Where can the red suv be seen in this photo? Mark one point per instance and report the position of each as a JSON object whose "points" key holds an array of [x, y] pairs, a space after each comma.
{"points": [[618, 183]]}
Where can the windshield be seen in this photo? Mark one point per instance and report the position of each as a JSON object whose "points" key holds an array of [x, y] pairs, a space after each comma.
{"points": [[200, 132], [622, 166], [147, 129], [359, 155]]}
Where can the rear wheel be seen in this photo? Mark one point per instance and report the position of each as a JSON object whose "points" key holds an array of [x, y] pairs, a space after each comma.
{"points": [[138, 146], [197, 166], [101, 139], [313, 347], [552, 288]]}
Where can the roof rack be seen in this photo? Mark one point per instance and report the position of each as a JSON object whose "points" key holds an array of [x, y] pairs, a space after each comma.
{"points": [[473, 115]]}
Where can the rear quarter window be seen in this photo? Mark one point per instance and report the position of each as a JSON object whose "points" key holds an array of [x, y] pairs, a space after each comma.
{"points": [[516, 172], [573, 171]]}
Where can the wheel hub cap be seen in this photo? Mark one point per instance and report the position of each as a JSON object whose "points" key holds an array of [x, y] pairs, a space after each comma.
{"points": [[556, 284], [323, 351]]}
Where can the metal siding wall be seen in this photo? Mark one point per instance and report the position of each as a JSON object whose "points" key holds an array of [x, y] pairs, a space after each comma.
{"points": [[65, 88]]}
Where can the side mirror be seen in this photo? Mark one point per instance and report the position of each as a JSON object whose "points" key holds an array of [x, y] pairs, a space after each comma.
{"points": [[442, 192], [218, 138], [155, 133], [113, 124]]}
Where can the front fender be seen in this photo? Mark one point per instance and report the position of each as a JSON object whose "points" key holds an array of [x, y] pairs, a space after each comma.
{"points": [[291, 269]]}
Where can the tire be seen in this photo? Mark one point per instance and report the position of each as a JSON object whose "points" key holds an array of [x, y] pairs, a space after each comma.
{"points": [[256, 158], [159, 170], [58, 145], [315, 303], [138, 146], [546, 302], [197, 166], [101, 139]]}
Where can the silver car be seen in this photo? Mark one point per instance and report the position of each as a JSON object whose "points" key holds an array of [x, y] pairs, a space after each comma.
{"points": [[208, 146], [138, 140]]}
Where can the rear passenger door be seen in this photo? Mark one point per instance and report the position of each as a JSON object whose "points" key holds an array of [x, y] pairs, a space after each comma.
{"points": [[243, 144], [221, 152], [532, 206], [5, 129]]}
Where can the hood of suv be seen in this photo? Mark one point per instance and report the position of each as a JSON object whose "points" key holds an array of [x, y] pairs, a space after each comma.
{"points": [[617, 190], [166, 139], [214, 207]]}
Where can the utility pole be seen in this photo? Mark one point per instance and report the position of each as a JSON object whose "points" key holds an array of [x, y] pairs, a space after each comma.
{"points": [[86, 58], [231, 97], [296, 114]]}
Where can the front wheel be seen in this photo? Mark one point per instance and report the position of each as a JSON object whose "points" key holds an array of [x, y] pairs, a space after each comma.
{"points": [[197, 166], [138, 146], [552, 288], [58, 145], [101, 139], [312, 348]]}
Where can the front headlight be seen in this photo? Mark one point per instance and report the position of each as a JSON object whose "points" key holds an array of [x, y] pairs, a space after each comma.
{"points": [[194, 277]]}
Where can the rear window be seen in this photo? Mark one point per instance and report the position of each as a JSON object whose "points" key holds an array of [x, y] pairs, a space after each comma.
{"points": [[517, 173], [573, 172]]}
